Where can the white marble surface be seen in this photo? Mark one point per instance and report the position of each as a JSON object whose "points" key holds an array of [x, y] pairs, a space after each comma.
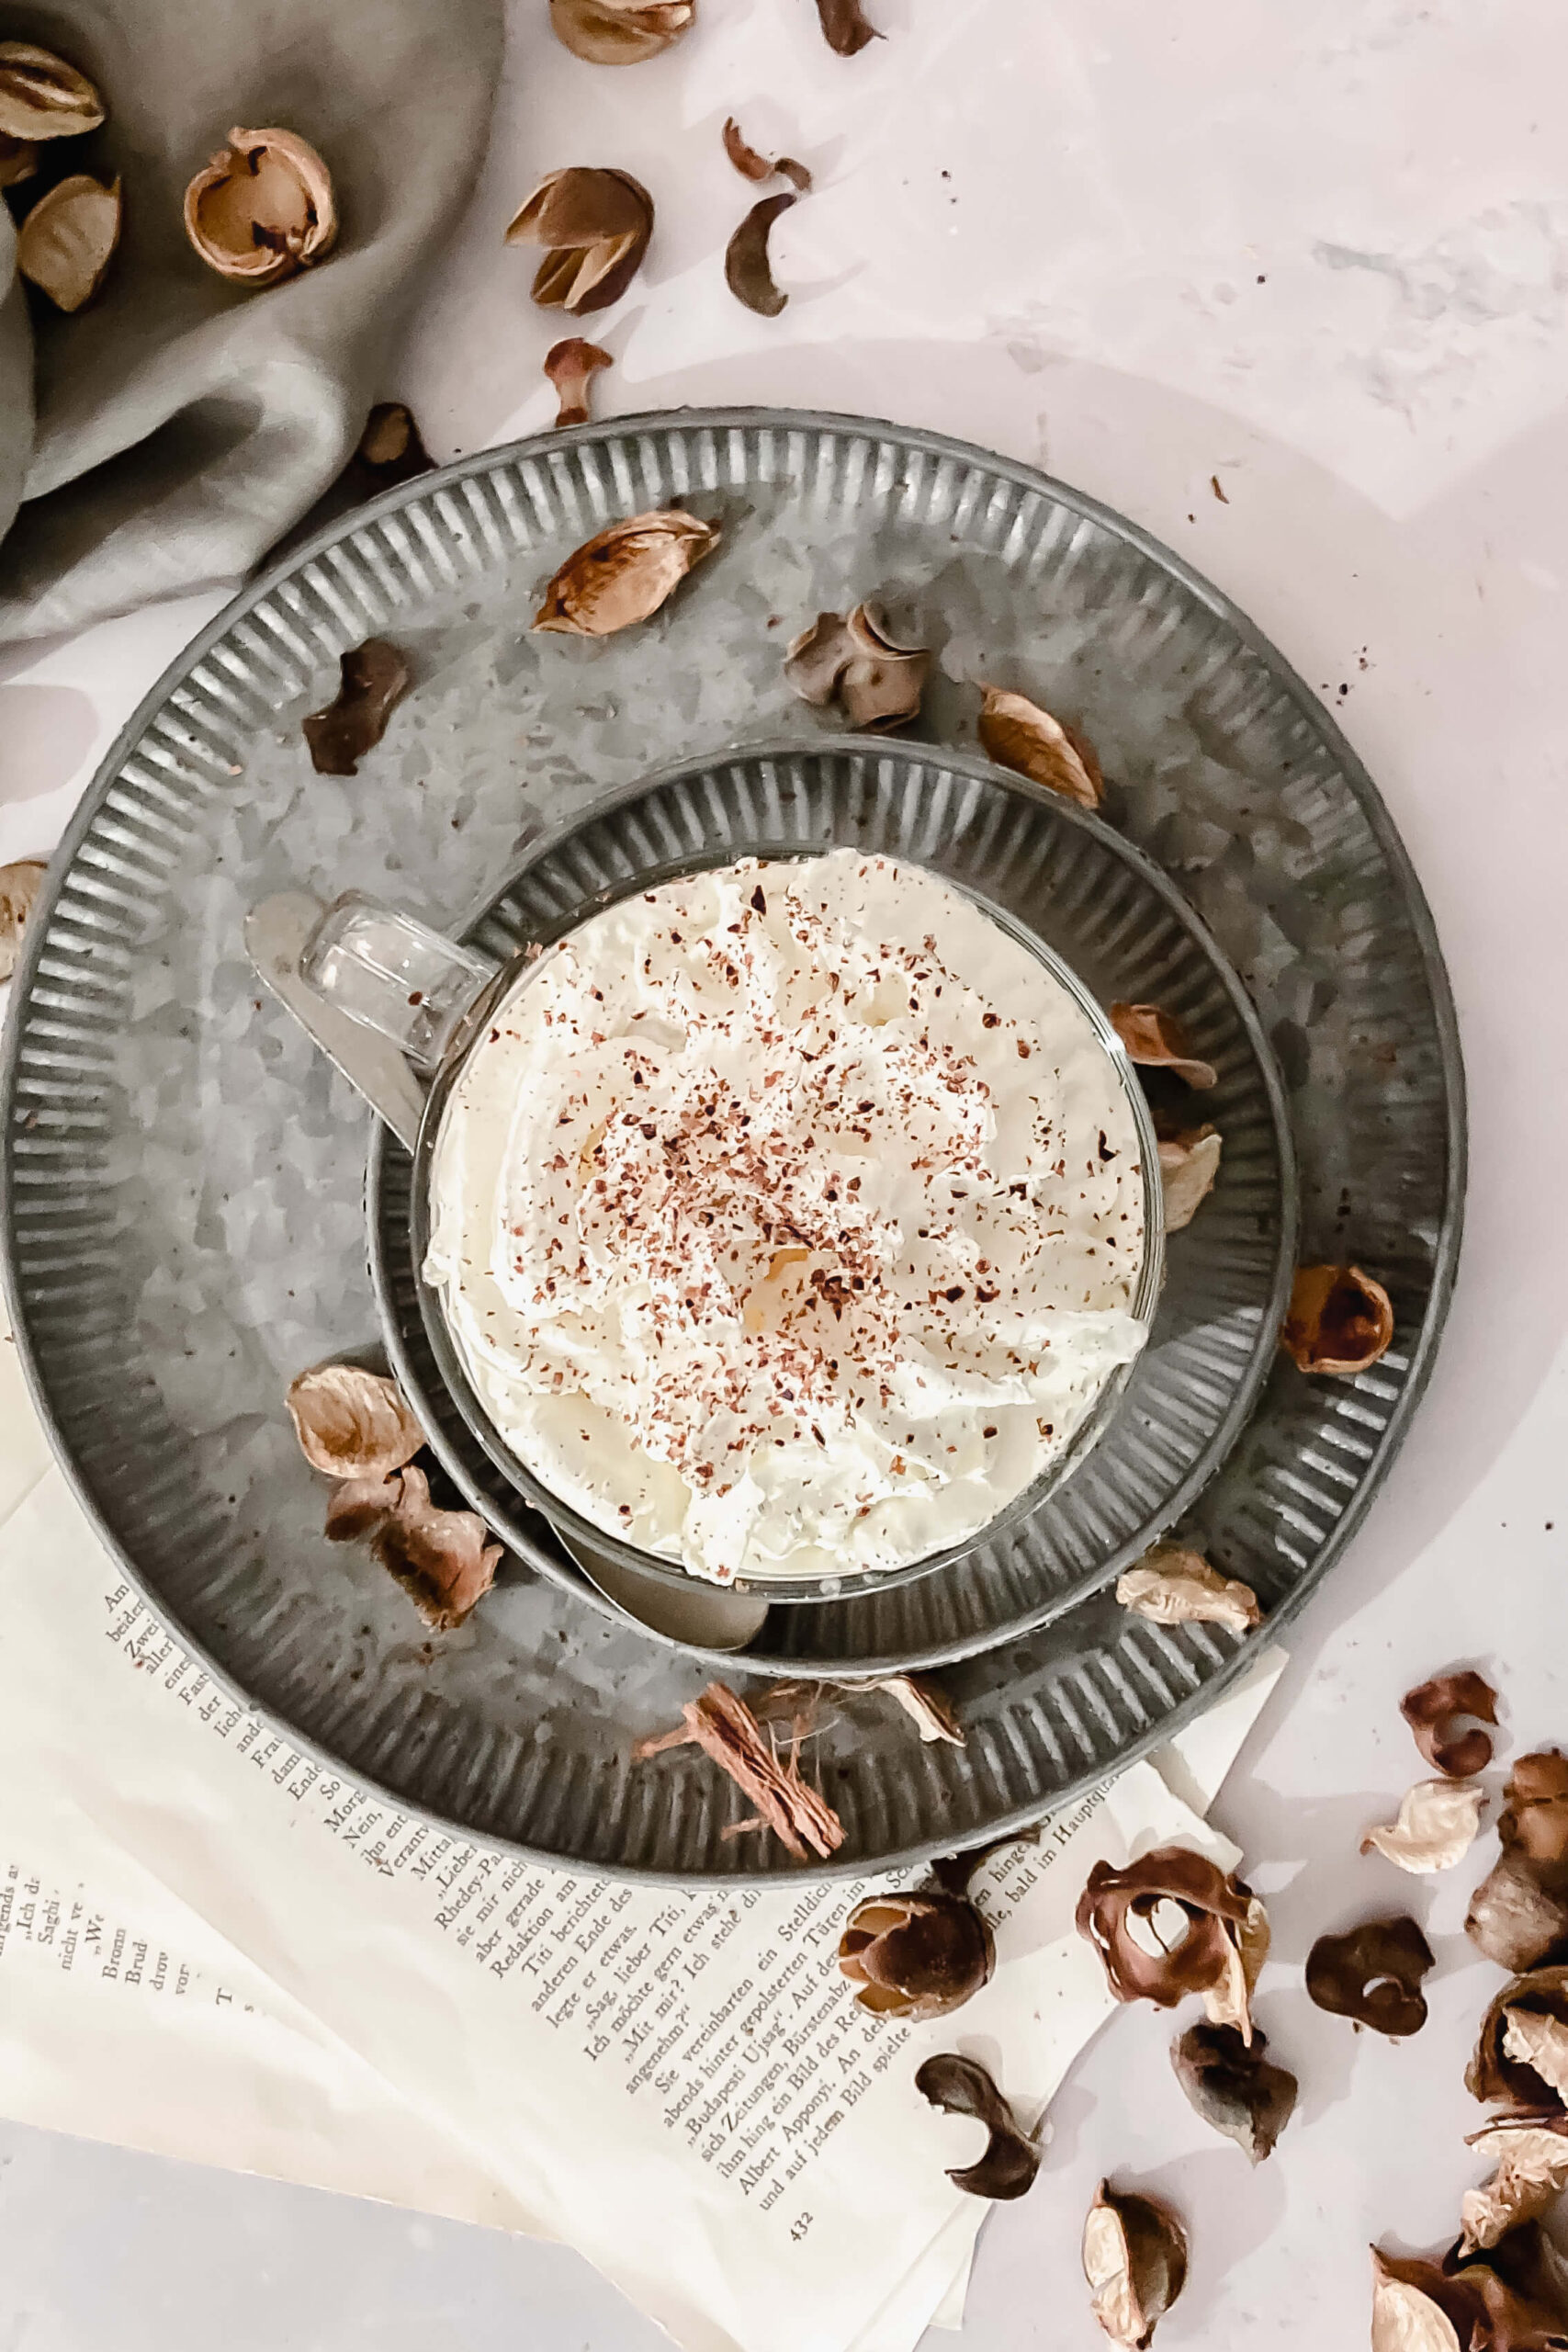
{"points": [[1321, 256]]}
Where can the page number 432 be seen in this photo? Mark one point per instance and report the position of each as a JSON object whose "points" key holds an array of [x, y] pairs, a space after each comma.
{"points": [[799, 2226]]}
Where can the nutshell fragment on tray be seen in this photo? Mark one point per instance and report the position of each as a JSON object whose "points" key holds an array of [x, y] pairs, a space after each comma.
{"points": [[1339, 1321], [1220, 1931], [374, 680], [1433, 1707], [1135, 2258], [1156, 1040], [1372, 1974], [595, 224], [1189, 1168], [1231, 2086], [42, 97], [919, 1954], [857, 660], [441, 1558], [747, 268], [66, 242], [1018, 734], [19, 887], [1174, 1586], [570, 366], [845, 26], [359, 1506], [352, 1423], [261, 208], [963, 2087], [18, 161], [619, 32], [1436, 1827], [925, 1705], [624, 574], [1530, 2153], [721, 1724]]}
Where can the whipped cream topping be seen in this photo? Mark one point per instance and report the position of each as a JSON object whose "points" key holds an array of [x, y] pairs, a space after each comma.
{"points": [[786, 1218]]}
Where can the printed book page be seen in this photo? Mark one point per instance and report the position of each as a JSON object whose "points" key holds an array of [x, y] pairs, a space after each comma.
{"points": [[272, 1967]]}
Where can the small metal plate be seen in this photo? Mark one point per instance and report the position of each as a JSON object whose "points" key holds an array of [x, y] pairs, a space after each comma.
{"points": [[1126, 932]]}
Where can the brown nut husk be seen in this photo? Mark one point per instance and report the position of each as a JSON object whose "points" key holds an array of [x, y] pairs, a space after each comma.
{"points": [[1219, 1953], [1373, 1974], [1432, 1709], [391, 449], [915, 1955], [816, 659], [1506, 2066], [374, 680], [624, 574], [351, 1423], [1530, 2153], [1340, 1320], [1436, 1827], [570, 367], [19, 887], [856, 659], [884, 679], [18, 161], [925, 1705], [963, 2087], [744, 158], [845, 27], [1018, 734], [1135, 2258], [65, 245], [1156, 1040], [1534, 1821], [261, 208], [753, 166], [748, 270], [1516, 1920], [359, 1506], [1189, 1168], [1419, 2306], [723, 1726], [1173, 1586], [1518, 1915], [44, 96], [595, 224], [620, 32], [440, 1557], [1526, 2260], [1231, 2086]]}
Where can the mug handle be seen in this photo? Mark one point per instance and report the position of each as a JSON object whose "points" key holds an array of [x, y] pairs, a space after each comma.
{"points": [[394, 975]]}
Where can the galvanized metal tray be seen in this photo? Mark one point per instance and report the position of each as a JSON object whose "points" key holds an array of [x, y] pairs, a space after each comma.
{"points": [[183, 1176]]}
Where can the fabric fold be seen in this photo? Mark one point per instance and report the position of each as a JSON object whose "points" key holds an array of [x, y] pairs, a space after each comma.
{"points": [[178, 425]]}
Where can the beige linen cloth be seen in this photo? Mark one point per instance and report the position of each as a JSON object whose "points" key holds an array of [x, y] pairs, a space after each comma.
{"points": [[165, 435]]}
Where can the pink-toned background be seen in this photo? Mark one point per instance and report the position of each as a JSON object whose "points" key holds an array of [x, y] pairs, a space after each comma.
{"points": [[1320, 256]]}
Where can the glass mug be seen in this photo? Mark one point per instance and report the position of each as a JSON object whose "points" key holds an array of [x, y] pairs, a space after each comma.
{"points": [[432, 998]]}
